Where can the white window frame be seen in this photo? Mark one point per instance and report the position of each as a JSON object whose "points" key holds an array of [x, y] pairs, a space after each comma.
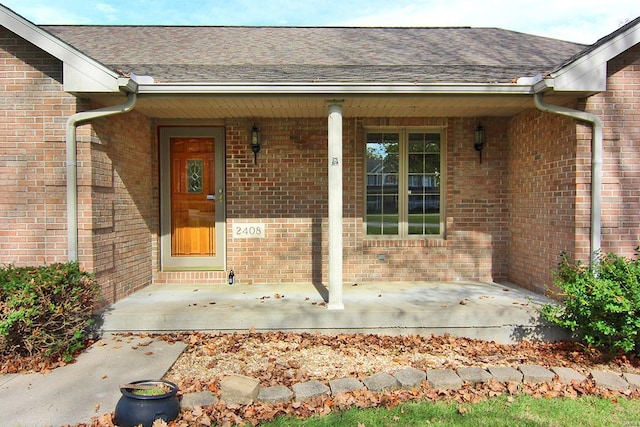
{"points": [[403, 178]]}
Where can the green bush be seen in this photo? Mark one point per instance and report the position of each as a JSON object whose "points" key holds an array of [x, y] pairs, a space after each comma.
{"points": [[600, 303], [45, 310]]}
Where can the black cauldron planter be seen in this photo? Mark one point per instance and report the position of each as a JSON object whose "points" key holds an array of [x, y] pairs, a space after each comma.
{"points": [[143, 402]]}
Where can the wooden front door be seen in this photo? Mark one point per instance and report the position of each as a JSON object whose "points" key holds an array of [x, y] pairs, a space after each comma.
{"points": [[193, 198], [193, 195]]}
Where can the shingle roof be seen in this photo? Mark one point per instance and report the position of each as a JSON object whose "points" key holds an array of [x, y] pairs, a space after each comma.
{"points": [[318, 54], [602, 41]]}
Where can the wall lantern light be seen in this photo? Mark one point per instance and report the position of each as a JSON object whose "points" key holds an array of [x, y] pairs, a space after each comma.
{"points": [[255, 143], [480, 138]]}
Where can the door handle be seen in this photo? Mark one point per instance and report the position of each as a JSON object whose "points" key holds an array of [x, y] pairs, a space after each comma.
{"points": [[219, 197]]}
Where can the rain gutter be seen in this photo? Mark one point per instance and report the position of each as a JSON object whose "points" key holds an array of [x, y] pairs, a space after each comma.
{"points": [[71, 166], [596, 167], [333, 88]]}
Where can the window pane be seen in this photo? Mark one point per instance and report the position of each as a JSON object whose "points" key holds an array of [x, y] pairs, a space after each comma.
{"points": [[390, 224], [383, 165], [432, 203], [424, 143], [374, 205], [424, 184], [420, 183], [416, 183], [416, 204], [416, 162], [432, 165], [390, 205], [416, 142], [424, 224], [382, 225], [194, 176]]}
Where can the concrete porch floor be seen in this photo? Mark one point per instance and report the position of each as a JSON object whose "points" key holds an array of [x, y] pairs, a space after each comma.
{"points": [[490, 311]]}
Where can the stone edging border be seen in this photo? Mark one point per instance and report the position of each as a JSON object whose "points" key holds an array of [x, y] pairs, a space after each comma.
{"points": [[239, 389]]}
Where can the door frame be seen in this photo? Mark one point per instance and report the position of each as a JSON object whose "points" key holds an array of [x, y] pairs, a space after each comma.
{"points": [[168, 262]]}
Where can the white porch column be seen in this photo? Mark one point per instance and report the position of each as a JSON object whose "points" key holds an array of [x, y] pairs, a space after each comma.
{"points": [[335, 205]]}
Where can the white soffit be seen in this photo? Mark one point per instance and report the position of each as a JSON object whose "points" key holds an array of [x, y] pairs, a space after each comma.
{"points": [[589, 72], [308, 106], [81, 73]]}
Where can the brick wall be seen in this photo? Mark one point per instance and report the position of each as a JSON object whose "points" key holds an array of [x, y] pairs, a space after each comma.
{"points": [[120, 213], [550, 179], [287, 191], [619, 108], [115, 176], [32, 154], [543, 177], [477, 210]]}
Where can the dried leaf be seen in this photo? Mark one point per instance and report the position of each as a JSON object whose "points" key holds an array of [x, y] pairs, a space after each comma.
{"points": [[464, 410], [205, 420]]}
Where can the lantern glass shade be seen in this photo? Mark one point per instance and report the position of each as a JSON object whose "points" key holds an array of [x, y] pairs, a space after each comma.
{"points": [[480, 138], [255, 143], [255, 137]]}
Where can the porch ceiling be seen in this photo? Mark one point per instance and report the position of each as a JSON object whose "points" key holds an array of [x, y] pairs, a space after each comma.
{"points": [[290, 106]]}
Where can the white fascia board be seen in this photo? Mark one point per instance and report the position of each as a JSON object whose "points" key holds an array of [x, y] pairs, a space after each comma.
{"points": [[81, 73], [588, 73], [333, 89], [83, 77], [584, 75]]}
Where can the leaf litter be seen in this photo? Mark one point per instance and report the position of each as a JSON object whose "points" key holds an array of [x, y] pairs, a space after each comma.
{"points": [[286, 358]]}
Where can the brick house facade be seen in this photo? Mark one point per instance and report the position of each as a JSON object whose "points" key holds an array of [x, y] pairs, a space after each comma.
{"points": [[504, 218]]}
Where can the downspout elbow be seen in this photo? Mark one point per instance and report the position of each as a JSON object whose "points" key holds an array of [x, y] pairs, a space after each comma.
{"points": [[71, 166], [596, 166]]}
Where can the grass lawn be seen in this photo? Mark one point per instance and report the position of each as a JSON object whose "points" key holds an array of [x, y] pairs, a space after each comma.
{"points": [[505, 411]]}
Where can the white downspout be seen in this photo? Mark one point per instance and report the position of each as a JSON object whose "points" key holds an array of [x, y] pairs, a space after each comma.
{"points": [[72, 173], [596, 167]]}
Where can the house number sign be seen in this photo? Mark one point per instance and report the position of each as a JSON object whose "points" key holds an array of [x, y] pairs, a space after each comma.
{"points": [[248, 230]]}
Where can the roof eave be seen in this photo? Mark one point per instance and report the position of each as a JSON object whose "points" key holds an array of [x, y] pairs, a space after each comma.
{"points": [[588, 71], [80, 72]]}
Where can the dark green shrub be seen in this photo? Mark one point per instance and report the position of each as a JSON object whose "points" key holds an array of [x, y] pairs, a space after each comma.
{"points": [[45, 311], [600, 304]]}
